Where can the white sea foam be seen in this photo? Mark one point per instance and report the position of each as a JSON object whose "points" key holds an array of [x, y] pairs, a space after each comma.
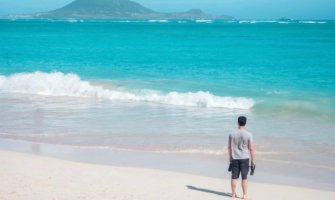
{"points": [[158, 20], [72, 20], [312, 22], [308, 22], [243, 21], [266, 21], [59, 84], [247, 22], [284, 22], [204, 21], [256, 21]]}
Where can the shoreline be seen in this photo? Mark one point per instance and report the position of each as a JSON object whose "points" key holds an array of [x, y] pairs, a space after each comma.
{"points": [[214, 167], [37, 177]]}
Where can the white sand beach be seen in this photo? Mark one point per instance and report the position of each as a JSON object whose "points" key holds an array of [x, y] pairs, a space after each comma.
{"points": [[30, 177]]}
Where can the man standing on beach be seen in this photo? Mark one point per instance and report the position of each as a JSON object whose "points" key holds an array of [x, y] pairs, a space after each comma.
{"points": [[241, 150]]}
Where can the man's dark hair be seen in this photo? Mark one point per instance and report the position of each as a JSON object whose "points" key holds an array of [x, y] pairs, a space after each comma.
{"points": [[242, 120]]}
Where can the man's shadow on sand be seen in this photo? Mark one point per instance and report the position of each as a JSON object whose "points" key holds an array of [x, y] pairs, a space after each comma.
{"points": [[208, 191]]}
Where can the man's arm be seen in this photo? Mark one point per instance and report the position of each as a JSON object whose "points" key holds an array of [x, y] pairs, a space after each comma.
{"points": [[230, 149], [252, 152]]}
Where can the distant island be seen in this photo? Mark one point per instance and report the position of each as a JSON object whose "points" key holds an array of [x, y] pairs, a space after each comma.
{"points": [[116, 9]]}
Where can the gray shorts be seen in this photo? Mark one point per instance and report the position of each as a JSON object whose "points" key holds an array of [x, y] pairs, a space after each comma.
{"points": [[240, 166]]}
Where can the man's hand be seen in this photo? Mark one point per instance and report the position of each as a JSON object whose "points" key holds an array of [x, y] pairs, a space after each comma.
{"points": [[253, 162]]}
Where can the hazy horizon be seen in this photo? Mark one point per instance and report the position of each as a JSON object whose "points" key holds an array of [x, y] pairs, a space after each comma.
{"points": [[242, 9]]}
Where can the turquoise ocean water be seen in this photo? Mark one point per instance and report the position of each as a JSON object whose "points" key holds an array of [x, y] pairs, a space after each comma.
{"points": [[171, 86]]}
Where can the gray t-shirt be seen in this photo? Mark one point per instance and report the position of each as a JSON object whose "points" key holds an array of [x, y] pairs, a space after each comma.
{"points": [[240, 144]]}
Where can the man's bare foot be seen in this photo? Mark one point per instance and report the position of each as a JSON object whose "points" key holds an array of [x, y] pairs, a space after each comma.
{"points": [[245, 197], [234, 195]]}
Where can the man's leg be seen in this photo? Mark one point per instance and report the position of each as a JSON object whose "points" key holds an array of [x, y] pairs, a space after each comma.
{"points": [[235, 173], [245, 188], [233, 187], [244, 172]]}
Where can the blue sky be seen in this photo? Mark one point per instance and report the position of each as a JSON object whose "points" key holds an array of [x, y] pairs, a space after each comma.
{"points": [[251, 9]]}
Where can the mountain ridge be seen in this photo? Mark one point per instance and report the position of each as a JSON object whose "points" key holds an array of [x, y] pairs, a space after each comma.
{"points": [[117, 9]]}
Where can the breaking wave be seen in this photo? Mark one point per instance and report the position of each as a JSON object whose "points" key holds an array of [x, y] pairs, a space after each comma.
{"points": [[71, 85]]}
